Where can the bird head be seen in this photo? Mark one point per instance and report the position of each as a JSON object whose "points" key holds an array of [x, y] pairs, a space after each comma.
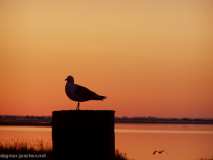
{"points": [[70, 79]]}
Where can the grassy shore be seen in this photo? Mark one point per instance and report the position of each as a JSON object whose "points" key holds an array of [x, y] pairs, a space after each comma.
{"points": [[33, 149], [37, 149], [25, 149]]}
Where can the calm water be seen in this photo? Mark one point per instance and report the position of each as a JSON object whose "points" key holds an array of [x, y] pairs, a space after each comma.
{"points": [[180, 141]]}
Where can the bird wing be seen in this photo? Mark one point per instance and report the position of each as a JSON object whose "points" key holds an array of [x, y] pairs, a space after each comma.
{"points": [[161, 151], [85, 93], [154, 152], [165, 152]]}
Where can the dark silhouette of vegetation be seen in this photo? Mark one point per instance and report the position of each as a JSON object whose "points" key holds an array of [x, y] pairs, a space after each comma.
{"points": [[34, 149], [120, 156], [25, 149]]}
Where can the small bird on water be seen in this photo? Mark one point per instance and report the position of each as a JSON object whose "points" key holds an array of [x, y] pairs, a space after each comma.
{"points": [[79, 93], [159, 152]]}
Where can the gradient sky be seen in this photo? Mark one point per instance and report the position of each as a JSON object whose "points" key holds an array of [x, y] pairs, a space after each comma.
{"points": [[150, 58]]}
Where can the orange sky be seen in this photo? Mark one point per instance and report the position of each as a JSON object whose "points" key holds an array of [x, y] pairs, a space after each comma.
{"points": [[150, 58]]}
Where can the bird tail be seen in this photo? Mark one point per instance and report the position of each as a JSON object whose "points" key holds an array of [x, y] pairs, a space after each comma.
{"points": [[102, 97]]}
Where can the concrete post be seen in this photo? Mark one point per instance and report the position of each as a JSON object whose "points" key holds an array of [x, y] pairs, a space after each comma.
{"points": [[83, 134]]}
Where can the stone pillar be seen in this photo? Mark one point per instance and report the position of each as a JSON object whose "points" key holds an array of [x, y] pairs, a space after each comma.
{"points": [[83, 134]]}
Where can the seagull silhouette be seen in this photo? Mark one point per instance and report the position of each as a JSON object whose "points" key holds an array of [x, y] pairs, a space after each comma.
{"points": [[159, 152], [79, 93]]}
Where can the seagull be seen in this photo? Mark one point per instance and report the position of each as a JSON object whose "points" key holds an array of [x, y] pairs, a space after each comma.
{"points": [[159, 152], [79, 93]]}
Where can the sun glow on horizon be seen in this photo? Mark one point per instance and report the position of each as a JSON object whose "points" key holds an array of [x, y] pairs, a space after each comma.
{"points": [[150, 58]]}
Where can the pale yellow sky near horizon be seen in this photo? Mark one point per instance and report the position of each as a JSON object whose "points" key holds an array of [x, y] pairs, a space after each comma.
{"points": [[150, 58]]}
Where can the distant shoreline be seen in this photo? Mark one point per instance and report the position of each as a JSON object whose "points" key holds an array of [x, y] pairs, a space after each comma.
{"points": [[132, 121], [25, 123], [164, 121]]}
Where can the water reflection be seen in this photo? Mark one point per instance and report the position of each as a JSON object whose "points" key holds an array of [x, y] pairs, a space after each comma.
{"points": [[161, 131], [139, 141], [26, 128]]}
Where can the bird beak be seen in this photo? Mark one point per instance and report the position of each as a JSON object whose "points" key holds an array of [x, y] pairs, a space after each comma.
{"points": [[65, 79]]}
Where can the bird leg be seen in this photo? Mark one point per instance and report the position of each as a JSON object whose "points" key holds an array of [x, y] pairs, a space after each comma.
{"points": [[77, 106]]}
